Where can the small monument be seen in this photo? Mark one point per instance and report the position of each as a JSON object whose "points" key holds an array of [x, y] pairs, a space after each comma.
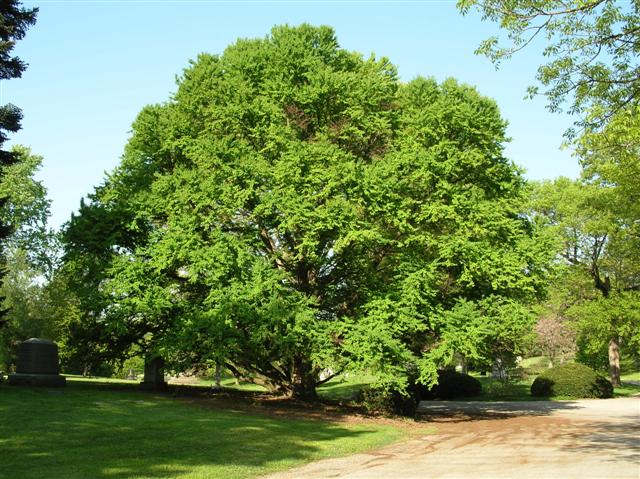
{"points": [[154, 374], [37, 364]]}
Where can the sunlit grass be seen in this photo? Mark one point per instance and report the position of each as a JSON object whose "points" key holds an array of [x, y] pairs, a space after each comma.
{"points": [[91, 430], [345, 387], [631, 376]]}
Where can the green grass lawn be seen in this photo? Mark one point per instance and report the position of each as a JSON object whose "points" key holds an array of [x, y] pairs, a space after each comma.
{"points": [[631, 376], [102, 430], [628, 389], [345, 387], [496, 390]]}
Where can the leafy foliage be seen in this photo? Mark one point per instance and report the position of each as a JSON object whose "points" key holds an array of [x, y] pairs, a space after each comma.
{"points": [[380, 400], [571, 380], [598, 288], [26, 209], [31, 253], [294, 207], [610, 160], [592, 48], [451, 385], [14, 22]]}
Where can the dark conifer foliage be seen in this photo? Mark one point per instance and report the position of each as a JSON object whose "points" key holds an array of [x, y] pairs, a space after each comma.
{"points": [[14, 22]]}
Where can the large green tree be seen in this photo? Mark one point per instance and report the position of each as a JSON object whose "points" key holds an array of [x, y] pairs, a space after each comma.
{"points": [[610, 158], [294, 207]]}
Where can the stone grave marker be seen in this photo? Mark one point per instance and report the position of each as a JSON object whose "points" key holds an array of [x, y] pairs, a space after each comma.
{"points": [[154, 374], [37, 364]]}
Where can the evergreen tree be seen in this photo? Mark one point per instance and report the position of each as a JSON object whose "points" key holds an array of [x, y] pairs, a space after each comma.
{"points": [[14, 22]]}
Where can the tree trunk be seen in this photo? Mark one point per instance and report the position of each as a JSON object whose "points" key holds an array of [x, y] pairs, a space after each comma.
{"points": [[614, 362], [216, 386], [464, 369], [303, 381]]}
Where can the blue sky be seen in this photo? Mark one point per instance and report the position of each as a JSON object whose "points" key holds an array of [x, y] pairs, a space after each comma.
{"points": [[94, 64]]}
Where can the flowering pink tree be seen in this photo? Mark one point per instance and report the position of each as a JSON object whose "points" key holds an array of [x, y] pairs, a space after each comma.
{"points": [[555, 337]]}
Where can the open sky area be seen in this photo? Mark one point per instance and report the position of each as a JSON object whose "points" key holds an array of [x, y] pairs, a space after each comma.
{"points": [[94, 64]]}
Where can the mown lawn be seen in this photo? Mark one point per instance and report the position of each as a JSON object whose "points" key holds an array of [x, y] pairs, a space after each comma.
{"points": [[91, 430], [635, 376]]}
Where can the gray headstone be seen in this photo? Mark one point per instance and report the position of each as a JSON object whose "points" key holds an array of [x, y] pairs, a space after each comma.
{"points": [[37, 364], [38, 356], [154, 374]]}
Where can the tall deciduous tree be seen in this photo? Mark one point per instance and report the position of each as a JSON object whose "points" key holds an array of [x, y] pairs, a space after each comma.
{"points": [[610, 159], [294, 207]]}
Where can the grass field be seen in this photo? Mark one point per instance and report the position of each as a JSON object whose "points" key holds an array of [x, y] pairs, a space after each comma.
{"points": [[631, 376], [91, 430]]}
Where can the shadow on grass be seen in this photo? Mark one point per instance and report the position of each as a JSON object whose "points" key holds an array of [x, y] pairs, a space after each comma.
{"points": [[112, 431]]}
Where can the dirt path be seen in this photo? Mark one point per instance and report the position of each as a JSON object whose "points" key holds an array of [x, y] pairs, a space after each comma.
{"points": [[555, 440]]}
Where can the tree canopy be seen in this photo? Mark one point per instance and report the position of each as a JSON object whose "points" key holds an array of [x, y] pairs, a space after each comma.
{"points": [[598, 242], [593, 49], [294, 207], [14, 22], [30, 251]]}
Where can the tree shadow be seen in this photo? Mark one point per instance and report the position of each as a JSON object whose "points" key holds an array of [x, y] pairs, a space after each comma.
{"points": [[621, 440], [462, 411], [107, 432], [614, 440]]}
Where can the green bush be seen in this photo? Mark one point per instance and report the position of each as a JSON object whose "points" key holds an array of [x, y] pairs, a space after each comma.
{"points": [[572, 380], [451, 385], [377, 400]]}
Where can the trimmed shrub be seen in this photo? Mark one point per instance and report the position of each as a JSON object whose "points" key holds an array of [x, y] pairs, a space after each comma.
{"points": [[387, 402], [572, 380], [451, 385]]}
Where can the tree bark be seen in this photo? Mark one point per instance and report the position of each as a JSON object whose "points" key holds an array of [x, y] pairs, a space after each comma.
{"points": [[463, 365], [614, 362], [303, 381], [216, 378]]}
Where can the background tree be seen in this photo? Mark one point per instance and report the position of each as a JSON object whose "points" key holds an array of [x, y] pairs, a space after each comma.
{"points": [[26, 210], [294, 207], [555, 338], [593, 49], [31, 252], [14, 22], [595, 245], [607, 326], [610, 159]]}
